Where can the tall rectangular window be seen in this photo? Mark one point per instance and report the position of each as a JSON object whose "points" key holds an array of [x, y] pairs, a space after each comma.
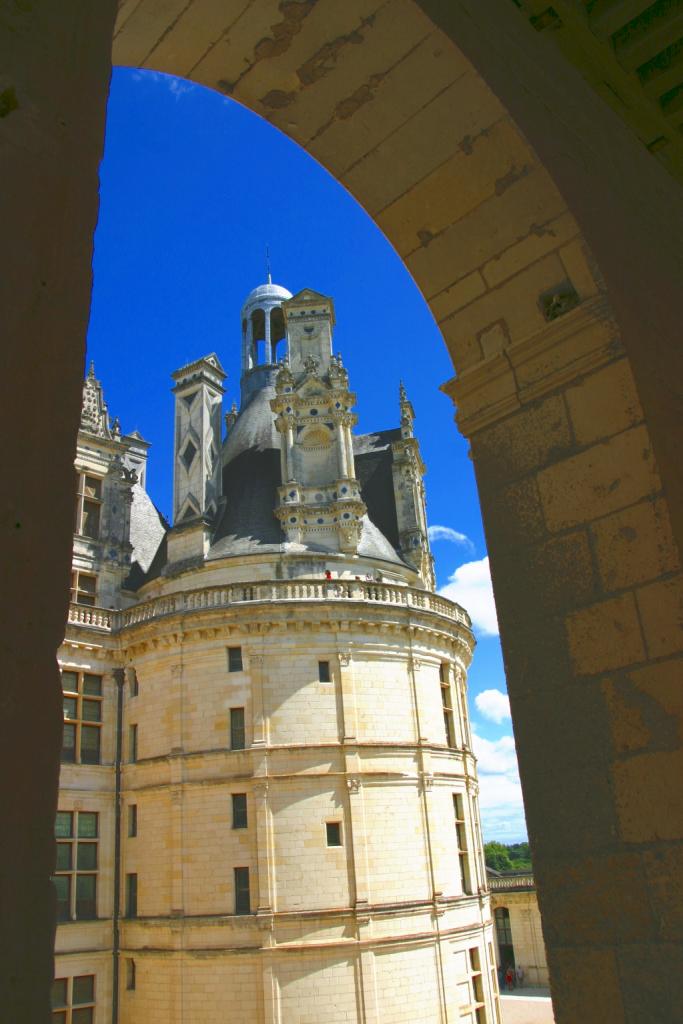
{"points": [[73, 1000], [242, 898], [461, 836], [131, 895], [324, 672], [83, 587], [132, 820], [447, 705], [477, 986], [234, 659], [88, 506], [132, 743], [239, 810], [237, 736], [82, 702], [75, 877]]}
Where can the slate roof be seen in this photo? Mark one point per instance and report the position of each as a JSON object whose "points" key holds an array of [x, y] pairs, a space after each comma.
{"points": [[251, 477]]}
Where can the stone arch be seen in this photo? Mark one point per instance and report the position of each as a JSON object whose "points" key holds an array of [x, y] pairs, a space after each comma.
{"points": [[504, 184]]}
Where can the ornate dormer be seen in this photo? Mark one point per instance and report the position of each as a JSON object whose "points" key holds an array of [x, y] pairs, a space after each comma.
{"points": [[409, 493], [319, 501], [94, 412]]}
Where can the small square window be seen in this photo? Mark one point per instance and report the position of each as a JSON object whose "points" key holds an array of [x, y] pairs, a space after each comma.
{"points": [[64, 824], [334, 837], [234, 659], [59, 993], [83, 989], [239, 810], [324, 671]]}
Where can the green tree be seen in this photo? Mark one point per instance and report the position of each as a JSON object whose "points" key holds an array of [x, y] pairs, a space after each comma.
{"points": [[497, 857]]}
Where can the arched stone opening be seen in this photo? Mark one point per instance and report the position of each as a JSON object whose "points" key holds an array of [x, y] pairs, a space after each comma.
{"points": [[277, 334], [568, 385]]}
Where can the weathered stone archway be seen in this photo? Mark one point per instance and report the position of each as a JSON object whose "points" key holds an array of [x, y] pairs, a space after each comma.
{"points": [[504, 184]]}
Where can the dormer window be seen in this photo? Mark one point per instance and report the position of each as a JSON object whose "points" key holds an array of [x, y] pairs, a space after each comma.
{"points": [[88, 506]]}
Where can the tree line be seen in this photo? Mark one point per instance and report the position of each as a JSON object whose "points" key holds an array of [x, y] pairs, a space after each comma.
{"points": [[507, 856]]}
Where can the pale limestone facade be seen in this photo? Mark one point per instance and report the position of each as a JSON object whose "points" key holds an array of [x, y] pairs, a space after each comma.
{"points": [[517, 921], [286, 800]]}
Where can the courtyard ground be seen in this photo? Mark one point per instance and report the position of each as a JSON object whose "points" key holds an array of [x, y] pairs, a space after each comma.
{"points": [[527, 1006]]}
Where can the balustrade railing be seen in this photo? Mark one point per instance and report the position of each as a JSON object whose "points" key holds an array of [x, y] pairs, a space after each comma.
{"points": [[506, 882], [87, 615], [266, 593]]}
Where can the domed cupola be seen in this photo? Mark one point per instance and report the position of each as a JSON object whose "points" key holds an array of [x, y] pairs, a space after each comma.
{"points": [[263, 326]]}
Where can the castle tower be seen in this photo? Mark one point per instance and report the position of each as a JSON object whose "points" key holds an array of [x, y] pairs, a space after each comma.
{"points": [[284, 719]]}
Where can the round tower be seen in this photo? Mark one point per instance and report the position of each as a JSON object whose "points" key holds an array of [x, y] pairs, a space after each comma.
{"points": [[297, 756]]}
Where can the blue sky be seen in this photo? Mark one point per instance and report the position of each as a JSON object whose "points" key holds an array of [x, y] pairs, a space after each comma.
{"points": [[193, 188]]}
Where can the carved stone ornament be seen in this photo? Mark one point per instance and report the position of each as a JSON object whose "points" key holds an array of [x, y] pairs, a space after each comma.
{"points": [[344, 658], [353, 784]]}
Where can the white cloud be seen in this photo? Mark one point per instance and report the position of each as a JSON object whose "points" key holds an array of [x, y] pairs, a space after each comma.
{"points": [[470, 586], [449, 534], [500, 793], [493, 704]]}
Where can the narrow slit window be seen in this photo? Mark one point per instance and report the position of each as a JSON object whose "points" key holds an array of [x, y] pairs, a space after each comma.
{"points": [[239, 810], [132, 743], [242, 896], [132, 820], [130, 974], [237, 736], [131, 895]]}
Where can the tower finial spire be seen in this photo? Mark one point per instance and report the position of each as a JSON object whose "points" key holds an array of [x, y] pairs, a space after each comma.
{"points": [[270, 279]]}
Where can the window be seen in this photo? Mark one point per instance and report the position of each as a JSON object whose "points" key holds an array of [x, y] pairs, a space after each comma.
{"points": [[334, 837], [242, 900], [132, 820], [82, 696], [461, 835], [88, 506], [324, 671], [132, 743], [506, 949], [239, 810], [447, 705], [83, 587], [471, 1003], [234, 659], [73, 1000], [133, 686], [75, 878], [130, 974], [237, 738], [131, 895]]}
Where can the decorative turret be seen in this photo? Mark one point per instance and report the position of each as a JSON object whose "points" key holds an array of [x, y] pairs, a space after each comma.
{"points": [[408, 471], [320, 503]]}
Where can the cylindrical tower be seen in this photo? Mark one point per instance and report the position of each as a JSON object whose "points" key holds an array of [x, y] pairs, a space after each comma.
{"points": [[301, 836], [306, 806]]}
